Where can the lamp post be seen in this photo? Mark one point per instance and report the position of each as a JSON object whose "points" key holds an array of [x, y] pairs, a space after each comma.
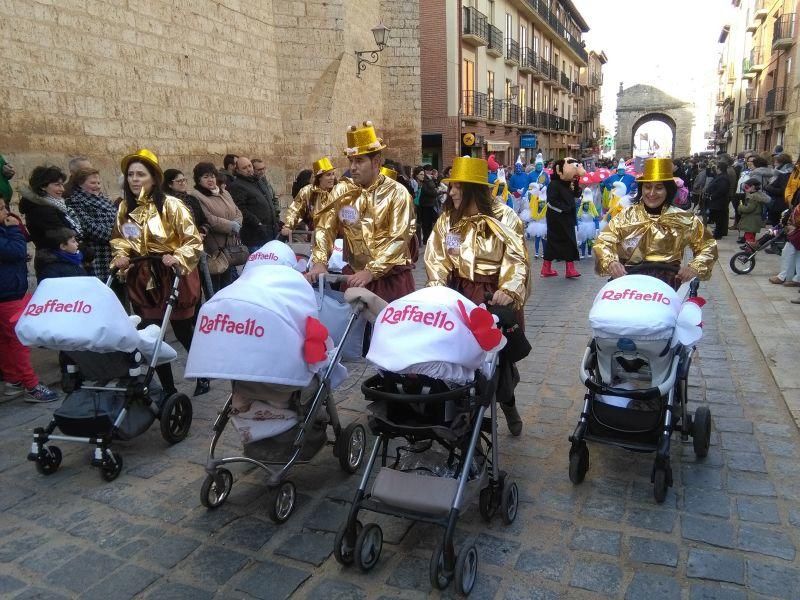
{"points": [[380, 32]]}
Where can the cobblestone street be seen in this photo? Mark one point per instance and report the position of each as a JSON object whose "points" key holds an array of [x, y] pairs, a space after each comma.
{"points": [[729, 528]]}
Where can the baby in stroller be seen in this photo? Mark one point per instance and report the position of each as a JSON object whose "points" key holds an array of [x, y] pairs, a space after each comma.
{"points": [[636, 371], [113, 394], [436, 354], [263, 332]]}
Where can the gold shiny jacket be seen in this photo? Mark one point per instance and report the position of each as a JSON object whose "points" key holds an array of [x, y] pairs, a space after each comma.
{"points": [[377, 224], [305, 205], [145, 231], [481, 245], [635, 236]]}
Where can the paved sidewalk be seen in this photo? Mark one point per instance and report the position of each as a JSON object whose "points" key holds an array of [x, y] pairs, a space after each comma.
{"points": [[729, 529]]}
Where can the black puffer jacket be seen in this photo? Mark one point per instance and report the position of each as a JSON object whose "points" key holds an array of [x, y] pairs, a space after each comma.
{"points": [[259, 224]]}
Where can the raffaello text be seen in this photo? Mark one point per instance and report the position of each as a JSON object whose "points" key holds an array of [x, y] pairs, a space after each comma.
{"points": [[56, 306], [224, 324], [629, 294], [438, 319], [263, 256]]}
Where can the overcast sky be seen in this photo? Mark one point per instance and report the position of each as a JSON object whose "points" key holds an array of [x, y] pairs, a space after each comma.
{"points": [[671, 45]]}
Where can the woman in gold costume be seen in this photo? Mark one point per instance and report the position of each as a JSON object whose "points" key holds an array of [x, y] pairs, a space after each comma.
{"points": [[477, 248], [151, 223], [652, 233], [310, 198]]}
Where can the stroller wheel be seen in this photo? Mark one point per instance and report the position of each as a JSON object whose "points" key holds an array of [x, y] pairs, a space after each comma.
{"points": [[176, 418], [368, 546], [49, 460], [216, 488], [350, 446], [742, 263], [487, 503], [701, 431], [466, 570], [344, 550], [111, 467], [439, 579], [660, 484], [510, 502], [578, 462], [281, 502]]}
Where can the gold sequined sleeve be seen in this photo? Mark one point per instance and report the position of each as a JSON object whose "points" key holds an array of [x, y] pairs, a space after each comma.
{"points": [[514, 269], [298, 208], [436, 262], [392, 249], [326, 224], [188, 242], [120, 246], [605, 247], [704, 248]]}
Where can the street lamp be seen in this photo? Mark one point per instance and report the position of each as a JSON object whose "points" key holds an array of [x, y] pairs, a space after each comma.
{"points": [[380, 32], [514, 89]]}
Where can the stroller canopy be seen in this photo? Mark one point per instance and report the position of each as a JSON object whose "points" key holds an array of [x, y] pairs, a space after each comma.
{"points": [[427, 329], [77, 313], [269, 255], [255, 329], [635, 306]]}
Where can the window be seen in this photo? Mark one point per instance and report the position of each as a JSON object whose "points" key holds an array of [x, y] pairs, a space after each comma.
{"points": [[535, 42], [490, 89], [468, 86], [509, 25], [523, 95], [535, 98], [523, 38], [491, 12]]}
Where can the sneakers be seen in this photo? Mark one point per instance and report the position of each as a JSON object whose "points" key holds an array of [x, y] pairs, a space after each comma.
{"points": [[41, 394], [776, 280], [13, 389]]}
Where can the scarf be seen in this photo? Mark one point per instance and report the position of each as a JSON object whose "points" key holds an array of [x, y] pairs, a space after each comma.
{"points": [[74, 259], [69, 214]]}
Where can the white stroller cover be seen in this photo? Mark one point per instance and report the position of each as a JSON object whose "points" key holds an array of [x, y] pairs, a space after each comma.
{"points": [[271, 254], [426, 333], [336, 262], [77, 313]]}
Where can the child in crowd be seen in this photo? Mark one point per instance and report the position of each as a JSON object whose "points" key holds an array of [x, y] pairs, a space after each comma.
{"points": [[751, 208], [64, 259], [15, 362]]}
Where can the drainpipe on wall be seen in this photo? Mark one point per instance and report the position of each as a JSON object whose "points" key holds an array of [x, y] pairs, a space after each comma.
{"points": [[460, 83]]}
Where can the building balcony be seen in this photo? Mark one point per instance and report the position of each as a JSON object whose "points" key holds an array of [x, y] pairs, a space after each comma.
{"points": [[511, 113], [595, 80], [540, 9], [775, 103], [512, 52], [495, 47], [783, 31], [528, 61], [565, 82], [474, 106], [750, 111], [475, 27], [760, 10], [757, 61], [495, 108], [720, 98], [747, 72], [546, 69], [528, 117], [575, 89]]}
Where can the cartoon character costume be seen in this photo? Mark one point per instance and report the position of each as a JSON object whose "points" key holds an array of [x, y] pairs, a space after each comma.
{"points": [[537, 228], [587, 230], [539, 175], [619, 200], [621, 175], [519, 181]]}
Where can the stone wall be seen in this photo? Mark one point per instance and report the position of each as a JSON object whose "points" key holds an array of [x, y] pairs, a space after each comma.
{"points": [[640, 101], [198, 79]]}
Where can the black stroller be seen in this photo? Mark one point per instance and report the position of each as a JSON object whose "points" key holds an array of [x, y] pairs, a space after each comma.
{"points": [[618, 411], [122, 402], [424, 412], [744, 262]]}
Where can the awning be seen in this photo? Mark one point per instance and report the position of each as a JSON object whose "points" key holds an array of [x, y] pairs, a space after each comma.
{"points": [[574, 146], [497, 146]]}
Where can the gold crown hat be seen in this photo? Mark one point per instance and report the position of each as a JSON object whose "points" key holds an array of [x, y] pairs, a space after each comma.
{"points": [[323, 165], [656, 169], [144, 155], [390, 173], [469, 170], [363, 140]]}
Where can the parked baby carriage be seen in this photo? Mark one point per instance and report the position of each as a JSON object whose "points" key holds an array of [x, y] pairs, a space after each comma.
{"points": [[744, 262], [437, 399], [114, 395], [636, 370], [262, 333]]}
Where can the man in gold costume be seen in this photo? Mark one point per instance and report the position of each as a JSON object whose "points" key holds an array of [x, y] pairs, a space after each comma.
{"points": [[376, 217], [653, 233]]}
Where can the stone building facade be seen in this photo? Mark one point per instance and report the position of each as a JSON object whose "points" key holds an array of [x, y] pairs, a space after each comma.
{"points": [[198, 79], [500, 75]]}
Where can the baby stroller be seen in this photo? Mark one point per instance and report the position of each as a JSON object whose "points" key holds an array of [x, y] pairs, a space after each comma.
{"points": [[744, 262], [83, 318], [276, 406], [636, 370], [449, 457]]}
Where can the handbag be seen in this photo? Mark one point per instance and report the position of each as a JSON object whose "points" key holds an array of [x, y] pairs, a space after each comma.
{"points": [[227, 256]]}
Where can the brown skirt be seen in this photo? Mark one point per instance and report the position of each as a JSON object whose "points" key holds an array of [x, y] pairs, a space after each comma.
{"points": [[478, 290], [662, 274], [398, 282], [152, 303]]}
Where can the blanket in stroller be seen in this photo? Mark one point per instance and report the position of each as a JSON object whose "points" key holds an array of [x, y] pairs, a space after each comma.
{"points": [[435, 332]]}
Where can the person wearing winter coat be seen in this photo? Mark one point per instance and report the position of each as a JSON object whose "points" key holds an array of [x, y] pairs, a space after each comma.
{"points": [[776, 188], [750, 209], [65, 260], [97, 216], [7, 171], [260, 225], [718, 199], [792, 185]]}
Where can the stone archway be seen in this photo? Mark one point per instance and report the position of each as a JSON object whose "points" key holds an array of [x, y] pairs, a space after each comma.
{"points": [[642, 103], [660, 117]]}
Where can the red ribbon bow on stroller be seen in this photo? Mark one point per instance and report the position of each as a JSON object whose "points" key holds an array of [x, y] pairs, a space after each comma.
{"points": [[481, 323], [314, 349]]}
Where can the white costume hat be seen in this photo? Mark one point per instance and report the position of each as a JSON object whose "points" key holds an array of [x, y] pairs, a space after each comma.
{"points": [[621, 165], [539, 159], [588, 196], [618, 188]]}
